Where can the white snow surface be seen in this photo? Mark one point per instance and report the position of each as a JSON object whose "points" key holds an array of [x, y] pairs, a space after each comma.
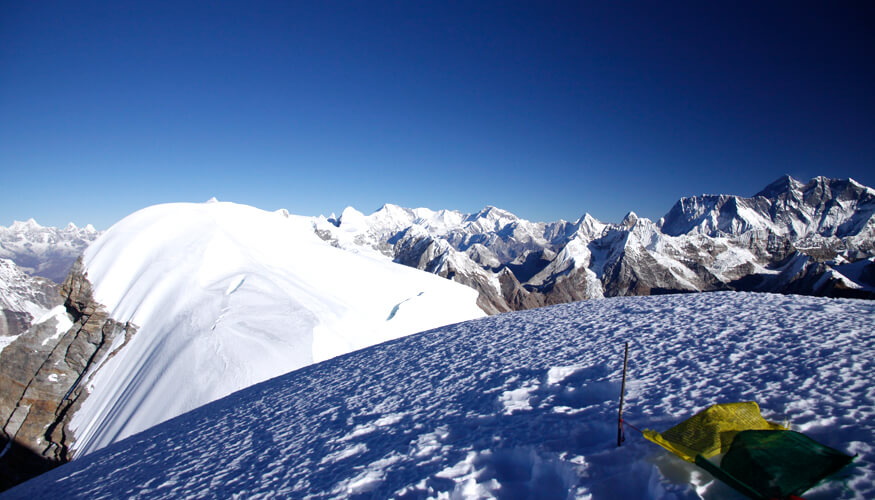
{"points": [[517, 405], [62, 322], [227, 295]]}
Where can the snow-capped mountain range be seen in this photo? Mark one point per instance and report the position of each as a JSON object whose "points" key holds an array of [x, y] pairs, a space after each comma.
{"points": [[815, 238], [43, 251], [222, 296], [518, 405]]}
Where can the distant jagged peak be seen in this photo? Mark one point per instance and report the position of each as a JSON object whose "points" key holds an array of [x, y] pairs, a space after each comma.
{"points": [[25, 225], [842, 188], [212, 200], [352, 220], [825, 185], [396, 215], [392, 209], [32, 226], [787, 206], [492, 213], [71, 227], [630, 219], [589, 225], [587, 219], [783, 184]]}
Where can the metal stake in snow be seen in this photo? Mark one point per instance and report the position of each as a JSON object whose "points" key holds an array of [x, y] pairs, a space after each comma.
{"points": [[620, 436]]}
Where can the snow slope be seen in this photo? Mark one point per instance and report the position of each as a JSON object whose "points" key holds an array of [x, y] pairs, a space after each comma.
{"points": [[518, 405], [225, 296]]}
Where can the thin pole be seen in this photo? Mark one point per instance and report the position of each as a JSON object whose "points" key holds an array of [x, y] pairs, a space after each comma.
{"points": [[620, 437]]}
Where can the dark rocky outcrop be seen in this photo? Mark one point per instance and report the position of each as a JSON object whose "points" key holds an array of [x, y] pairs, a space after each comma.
{"points": [[43, 379]]}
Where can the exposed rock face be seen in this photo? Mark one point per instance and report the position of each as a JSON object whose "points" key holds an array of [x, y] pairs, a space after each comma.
{"points": [[44, 376], [13, 323]]}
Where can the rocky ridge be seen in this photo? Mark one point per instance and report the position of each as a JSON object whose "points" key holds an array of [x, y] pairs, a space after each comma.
{"points": [[45, 375]]}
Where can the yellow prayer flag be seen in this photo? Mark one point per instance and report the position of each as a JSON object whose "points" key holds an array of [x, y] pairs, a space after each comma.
{"points": [[711, 431]]}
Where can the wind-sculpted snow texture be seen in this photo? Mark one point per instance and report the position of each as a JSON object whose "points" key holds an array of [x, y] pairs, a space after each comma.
{"points": [[519, 405]]}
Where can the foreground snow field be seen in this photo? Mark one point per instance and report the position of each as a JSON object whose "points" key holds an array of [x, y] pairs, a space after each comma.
{"points": [[519, 405]]}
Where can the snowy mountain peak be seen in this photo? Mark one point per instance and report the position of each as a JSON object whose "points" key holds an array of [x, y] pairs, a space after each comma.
{"points": [[781, 185], [29, 224], [630, 219], [394, 216], [587, 218], [590, 226], [821, 207], [392, 209], [492, 214], [490, 219], [227, 295], [351, 220]]}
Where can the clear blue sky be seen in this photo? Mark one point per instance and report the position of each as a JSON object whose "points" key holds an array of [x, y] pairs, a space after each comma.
{"points": [[546, 109]]}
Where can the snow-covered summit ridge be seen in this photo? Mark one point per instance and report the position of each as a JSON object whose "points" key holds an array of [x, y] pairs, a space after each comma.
{"points": [[227, 295], [524, 403]]}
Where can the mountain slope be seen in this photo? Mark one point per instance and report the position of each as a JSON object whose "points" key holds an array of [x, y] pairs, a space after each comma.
{"points": [[22, 299], [180, 304], [519, 405]]}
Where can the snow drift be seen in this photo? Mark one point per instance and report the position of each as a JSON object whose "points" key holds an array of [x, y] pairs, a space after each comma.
{"points": [[227, 295], [518, 405]]}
